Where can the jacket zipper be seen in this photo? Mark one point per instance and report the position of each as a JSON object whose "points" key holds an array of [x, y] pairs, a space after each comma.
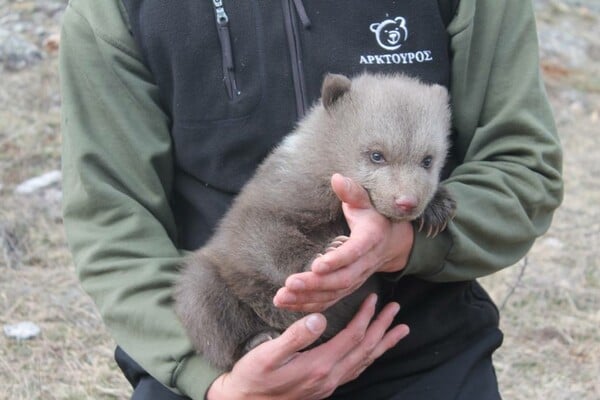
{"points": [[226, 49], [293, 37]]}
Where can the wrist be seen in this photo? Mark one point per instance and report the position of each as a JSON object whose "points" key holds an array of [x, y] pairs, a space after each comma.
{"points": [[400, 243], [217, 390]]}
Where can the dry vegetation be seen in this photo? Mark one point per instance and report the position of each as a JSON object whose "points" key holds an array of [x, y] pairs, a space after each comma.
{"points": [[72, 358], [550, 301]]}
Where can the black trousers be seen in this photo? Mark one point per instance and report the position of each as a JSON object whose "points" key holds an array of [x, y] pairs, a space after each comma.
{"points": [[145, 387], [468, 376]]}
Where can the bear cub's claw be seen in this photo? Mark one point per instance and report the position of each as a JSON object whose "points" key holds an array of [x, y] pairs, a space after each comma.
{"points": [[438, 213], [335, 243], [259, 339]]}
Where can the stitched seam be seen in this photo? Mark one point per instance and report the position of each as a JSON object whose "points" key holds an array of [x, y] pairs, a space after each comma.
{"points": [[106, 38], [125, 87]]}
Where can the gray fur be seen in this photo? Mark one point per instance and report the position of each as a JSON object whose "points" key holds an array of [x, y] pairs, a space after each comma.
{"points": [[287, 213]]}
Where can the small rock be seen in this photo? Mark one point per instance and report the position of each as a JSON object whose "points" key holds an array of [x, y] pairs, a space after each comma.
{"points": [[15, 52], [51, 8], [19, 27], [553, 243], [52, 43], [51, 202], [12, 245], [40, 31], [22, 330], [577, 107], [561, 7], [563, 45], [39, 182]]}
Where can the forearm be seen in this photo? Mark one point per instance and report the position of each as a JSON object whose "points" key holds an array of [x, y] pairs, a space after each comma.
{"points": [[117, 168], [508, 181]]}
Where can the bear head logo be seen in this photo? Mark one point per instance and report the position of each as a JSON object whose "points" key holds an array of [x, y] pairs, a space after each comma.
{"points": [[390, 33]]}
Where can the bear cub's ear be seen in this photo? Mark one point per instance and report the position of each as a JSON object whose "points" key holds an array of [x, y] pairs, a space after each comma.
{"points": [[334, 87]]}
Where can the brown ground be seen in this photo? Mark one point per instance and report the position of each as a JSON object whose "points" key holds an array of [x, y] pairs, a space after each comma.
{"points": [[550, 301]]}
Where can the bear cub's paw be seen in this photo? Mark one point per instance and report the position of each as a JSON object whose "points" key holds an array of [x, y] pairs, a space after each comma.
{"points": [[259, 339], [438, 213]]}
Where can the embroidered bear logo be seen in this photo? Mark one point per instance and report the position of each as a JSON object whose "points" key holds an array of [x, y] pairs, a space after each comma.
{"points": [[390, 33]]}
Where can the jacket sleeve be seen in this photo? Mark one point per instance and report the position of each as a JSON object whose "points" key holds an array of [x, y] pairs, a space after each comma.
{"points": [[117, 177], [508, 179]]}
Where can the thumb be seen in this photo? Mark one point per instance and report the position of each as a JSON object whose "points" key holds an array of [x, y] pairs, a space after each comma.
{"points": [[350, 192], [298, 336]]}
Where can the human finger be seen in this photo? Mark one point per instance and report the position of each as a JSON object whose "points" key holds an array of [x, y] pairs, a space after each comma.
{"points": [[362, 354], [391, 338], [349, 337], [285, 297], [350, 192], [308, 307], [342, 279], [357, 247], [296, 337], [378, 339], [318, 363]]}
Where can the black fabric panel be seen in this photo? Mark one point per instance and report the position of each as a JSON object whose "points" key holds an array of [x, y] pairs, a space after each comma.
{"points": [[219, 140]]}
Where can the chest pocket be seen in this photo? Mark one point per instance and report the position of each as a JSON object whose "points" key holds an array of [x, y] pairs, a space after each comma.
{"points": [[204, 54], [230, 72], [207, 59]]}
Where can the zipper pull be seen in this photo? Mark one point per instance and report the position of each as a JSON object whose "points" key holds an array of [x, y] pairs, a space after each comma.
{"points": [[302, 14], [222, 18], [226, 50]]}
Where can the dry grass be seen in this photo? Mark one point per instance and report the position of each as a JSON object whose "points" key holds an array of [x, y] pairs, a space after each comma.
{"points": [[71, 359], [551, 312], [551, 316]]}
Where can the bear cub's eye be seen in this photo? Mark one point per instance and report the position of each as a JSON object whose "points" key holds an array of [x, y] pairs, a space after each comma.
{"points": [[377, 157], [426, 163]]}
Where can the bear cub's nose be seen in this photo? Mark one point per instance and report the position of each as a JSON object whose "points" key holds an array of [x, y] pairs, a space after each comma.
{"points": [[406, 203]]}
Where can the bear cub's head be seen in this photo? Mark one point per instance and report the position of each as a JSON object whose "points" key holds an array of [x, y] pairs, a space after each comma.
{"points": [[393, 133]]}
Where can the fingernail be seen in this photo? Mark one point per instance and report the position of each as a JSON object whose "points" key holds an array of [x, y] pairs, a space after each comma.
{"points": [[315, 323], [348, 183], [373, 299], [296, 284], [405, 331]]}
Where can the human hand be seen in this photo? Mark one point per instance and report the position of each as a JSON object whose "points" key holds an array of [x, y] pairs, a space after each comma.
{"points": [[277, 369], [375, 245]]}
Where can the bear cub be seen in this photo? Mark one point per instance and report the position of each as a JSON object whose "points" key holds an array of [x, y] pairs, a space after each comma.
{"points": [[388, 133]]}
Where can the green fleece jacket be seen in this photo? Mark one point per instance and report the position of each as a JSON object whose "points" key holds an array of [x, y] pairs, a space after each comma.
{"points": [[118, 169]]}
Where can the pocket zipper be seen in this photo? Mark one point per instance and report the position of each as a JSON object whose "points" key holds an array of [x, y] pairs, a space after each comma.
{"points": [[293, 37], [226, 50]]}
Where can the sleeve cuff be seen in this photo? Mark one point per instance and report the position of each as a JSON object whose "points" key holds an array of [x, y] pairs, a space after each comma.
{"points": [[427, 256], [194, 376]]}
